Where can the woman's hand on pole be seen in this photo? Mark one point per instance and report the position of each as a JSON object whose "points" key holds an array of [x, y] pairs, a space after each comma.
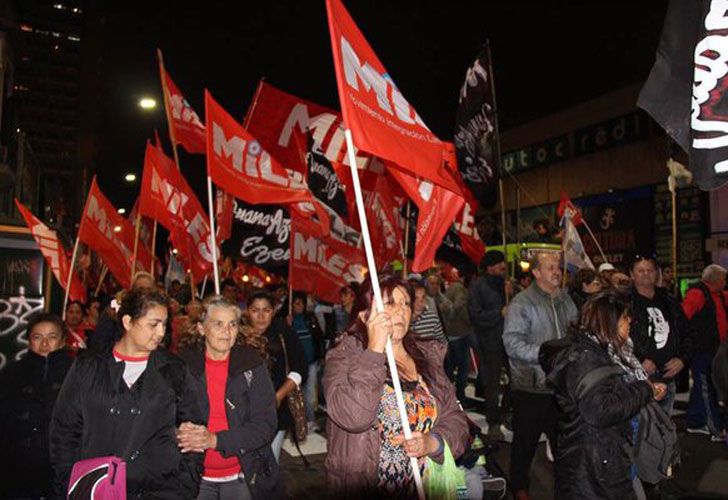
{"points": [[379, 329]]}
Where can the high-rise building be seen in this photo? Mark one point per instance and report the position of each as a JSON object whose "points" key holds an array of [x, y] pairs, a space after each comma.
{"points": [[46, 99]]}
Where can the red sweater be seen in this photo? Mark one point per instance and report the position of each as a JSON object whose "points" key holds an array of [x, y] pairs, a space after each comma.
{"points": [[216, 373], [695, 300]]}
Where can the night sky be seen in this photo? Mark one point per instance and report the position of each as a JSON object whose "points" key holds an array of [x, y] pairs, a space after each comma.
{"points": [[547, 55]]}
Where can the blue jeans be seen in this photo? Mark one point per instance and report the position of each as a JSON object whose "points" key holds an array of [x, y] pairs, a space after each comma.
{"points": [[702, 408]]}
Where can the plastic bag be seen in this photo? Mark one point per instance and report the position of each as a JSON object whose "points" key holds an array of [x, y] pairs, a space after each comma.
{"points": [[444, 481]]}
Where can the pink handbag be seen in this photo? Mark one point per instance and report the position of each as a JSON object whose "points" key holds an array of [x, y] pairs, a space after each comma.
{"points": [[102, 478]]}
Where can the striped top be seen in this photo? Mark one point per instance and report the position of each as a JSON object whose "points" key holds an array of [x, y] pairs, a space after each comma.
{"points": [[428, 326]]}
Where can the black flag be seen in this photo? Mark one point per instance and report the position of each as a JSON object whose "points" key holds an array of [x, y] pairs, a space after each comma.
{"points": [[475, 131], [323, 181], [686, 90]]}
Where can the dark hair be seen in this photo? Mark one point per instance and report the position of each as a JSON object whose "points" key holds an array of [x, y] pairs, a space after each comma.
{"points": [[260, 294], [600, 316], [581, 277], [228, 282], [137, 302], [364, 300], [43, 317], [298, 295], [80, 304], [415, 285]]}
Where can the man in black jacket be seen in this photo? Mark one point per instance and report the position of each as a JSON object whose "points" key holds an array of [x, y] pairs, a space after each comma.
{"points": [[485, 307], [661, 334], [28, 390]]}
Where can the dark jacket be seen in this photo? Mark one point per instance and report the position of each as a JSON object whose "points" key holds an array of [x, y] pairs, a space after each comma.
{"points": [[593, 456], [277, 362], [317, 335], [704, 323], [353, 382], [251, 414], [644, 345], [719, 374], [28, 390], [97, 415], [485, 308]]}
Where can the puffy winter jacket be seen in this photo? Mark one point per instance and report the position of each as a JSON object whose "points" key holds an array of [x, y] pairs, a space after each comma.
{"points": [[593, 456], [97, 415]]}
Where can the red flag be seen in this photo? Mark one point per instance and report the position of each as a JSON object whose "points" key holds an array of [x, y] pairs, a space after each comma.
{"points": [[111, 236], [276, 118], [322, 265], [52, 249], [189, 131], [470, 240], [438, 208], [381, 120], [568, 209], [237, 162], [167, 197]]}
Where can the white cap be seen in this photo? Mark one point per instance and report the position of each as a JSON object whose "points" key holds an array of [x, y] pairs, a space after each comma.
{"points": [[606, 266]]}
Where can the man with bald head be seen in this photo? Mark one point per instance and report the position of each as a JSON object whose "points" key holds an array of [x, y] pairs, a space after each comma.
{"points": [[540, 313]]}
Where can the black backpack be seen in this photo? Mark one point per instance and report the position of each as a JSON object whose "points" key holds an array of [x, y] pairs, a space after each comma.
{"points": [[656, 451]]}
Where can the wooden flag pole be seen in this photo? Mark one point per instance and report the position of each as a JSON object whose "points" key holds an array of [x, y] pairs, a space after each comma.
{"points": [[136, 243], [374, 277], [406, 240], [68, 278], [102, 277], [154, 248], [673, 196], [193, 289]]}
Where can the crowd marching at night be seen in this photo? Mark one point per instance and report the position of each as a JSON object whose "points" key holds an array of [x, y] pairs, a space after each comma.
{"points": [[203, 374]]}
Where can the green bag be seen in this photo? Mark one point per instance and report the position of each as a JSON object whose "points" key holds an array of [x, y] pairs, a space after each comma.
{"points": [[444, 481]]}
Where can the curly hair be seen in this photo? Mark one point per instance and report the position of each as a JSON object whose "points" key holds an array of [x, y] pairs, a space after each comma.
{"points": [[192, 339]]}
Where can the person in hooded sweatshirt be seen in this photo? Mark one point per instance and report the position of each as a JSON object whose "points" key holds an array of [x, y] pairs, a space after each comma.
{"points": [[597, 420]]}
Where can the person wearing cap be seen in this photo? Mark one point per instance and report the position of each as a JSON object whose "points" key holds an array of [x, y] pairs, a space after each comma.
{"points": [[486, 308], [606, 270]]}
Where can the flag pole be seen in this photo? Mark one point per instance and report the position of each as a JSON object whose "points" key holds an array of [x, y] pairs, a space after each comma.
{"points": [[68, 279], [213, 232], [204, 286], [406, 240], [167, 111], [154, 248], [604, 257], [374, 277], [102, 277], [673, 197], [136, 243], [499, 169]]}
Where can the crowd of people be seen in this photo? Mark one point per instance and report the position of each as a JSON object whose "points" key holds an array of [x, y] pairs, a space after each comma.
{"points": [[195, 396]]}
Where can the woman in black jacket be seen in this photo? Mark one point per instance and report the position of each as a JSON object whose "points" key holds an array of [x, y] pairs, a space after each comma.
{"points": [[286, 359], [598, 408], [127, 401], [237, 396]]}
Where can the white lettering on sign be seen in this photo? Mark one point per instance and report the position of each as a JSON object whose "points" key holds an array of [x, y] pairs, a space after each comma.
{"points": [[47, 240], [257, 161], [466, 224], [312, 251], [389, 98], [253, 249], [182, 111], [99, 217], [711, 66]]}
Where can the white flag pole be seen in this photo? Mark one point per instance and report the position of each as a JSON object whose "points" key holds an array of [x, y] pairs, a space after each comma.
{"points": [[68, 279], [213, 243], [596, 242], [374, 277]]}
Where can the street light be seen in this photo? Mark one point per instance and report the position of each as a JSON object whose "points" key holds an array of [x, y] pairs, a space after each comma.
{"points": [[147, 103], [121, 211], [130, 177], [117, 229]]}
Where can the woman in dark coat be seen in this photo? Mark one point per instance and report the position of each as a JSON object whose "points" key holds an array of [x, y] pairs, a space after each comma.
{"points": [[368, 456], [127, 401], [276, 339], [598, 421]]}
